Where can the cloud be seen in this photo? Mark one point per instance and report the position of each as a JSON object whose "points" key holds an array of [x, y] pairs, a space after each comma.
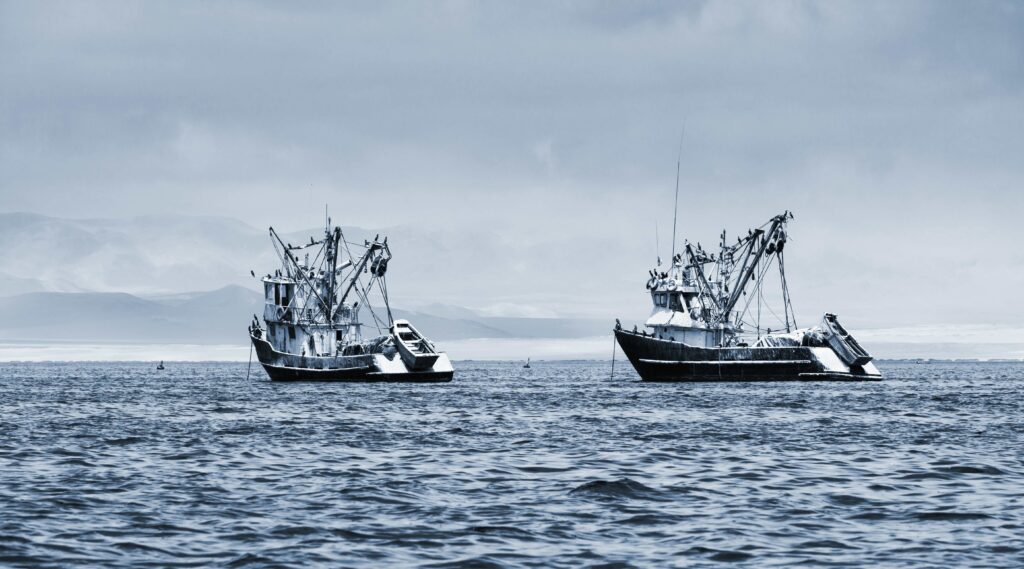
{"points": [[893, 130]]}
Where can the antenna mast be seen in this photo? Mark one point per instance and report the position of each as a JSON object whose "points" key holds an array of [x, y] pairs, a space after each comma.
{"points": [[657, 243], [675, 210]]}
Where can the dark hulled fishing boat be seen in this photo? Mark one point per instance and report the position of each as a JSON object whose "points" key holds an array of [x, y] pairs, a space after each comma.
{"points": [[312, 314], [707, 323]]}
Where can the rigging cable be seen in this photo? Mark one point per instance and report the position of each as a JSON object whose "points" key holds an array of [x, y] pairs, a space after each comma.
{"points": [[366, 301], [758, 287], [248, 369], [612, 378], [382, 283], [785, 293]]}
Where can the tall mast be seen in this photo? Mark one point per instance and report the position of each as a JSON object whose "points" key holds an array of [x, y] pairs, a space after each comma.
{"points": [[293, 263], [703, 280], [332, 278], [657, 243], [330, 263], [675, 209]]}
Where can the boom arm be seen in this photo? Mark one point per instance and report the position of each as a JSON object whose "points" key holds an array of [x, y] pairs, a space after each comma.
{"points": [[749, 269]]}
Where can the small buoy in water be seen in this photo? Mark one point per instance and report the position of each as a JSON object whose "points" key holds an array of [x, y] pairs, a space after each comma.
{"points": [[160, 366], [527, 366]]}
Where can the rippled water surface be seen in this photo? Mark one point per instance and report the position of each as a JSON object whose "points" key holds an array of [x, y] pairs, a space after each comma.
{"points": [[120, 465]]}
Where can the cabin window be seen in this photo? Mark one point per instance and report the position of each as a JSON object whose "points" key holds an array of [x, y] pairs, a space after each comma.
{"points": [[277, 295], [339, 335], [291, 332], [661, 299], [676, 302]]}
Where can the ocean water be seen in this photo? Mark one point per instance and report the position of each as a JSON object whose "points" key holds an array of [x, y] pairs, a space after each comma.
{"points": [[111, 464]]}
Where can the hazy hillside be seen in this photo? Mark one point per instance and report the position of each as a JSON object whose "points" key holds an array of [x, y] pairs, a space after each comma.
{"points": [[215, 317], [448, 273], [147, 254], [133, 280]]}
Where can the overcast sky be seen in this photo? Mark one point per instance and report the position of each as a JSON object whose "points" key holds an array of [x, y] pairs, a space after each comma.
{"points": [[894, 130]]}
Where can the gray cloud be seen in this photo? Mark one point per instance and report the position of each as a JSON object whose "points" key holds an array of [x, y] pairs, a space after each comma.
{"points": [[894, 130]]}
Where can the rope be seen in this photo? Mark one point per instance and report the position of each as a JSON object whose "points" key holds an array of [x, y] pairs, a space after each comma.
{"points": [[387, 304], [785, 292], [614, 341], [248, 369], [377, 322], [719, 356]]}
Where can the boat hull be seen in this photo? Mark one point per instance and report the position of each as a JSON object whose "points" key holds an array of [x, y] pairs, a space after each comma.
{"points": [[657, 359], [282, 366]]}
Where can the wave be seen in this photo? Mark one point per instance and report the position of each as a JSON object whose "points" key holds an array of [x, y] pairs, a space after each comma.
{"points": [[621, 488]]}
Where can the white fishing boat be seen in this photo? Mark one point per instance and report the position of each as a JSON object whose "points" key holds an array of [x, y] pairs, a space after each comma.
{"points": [[313, 327]]}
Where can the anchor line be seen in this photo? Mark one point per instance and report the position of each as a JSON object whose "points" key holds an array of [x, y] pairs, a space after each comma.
{"points": [[612, 378], [248, 369]]}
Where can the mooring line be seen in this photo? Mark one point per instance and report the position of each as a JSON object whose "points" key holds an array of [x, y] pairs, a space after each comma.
{"points": [[248, 369], [612, 378]]}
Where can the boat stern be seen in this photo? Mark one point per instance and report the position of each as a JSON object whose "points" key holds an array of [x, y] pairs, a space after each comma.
{"points": [[396, 369]]}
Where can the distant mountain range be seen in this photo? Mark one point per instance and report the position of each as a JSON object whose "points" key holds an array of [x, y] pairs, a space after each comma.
{"points": [[133, 280], [220, 317]]}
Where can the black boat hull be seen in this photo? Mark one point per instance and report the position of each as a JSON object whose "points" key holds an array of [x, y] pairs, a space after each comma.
{"points": [[361, 375], [669, 361]]}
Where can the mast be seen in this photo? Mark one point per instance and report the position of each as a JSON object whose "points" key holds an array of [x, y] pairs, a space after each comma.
{"points": [[675, 209], [298, 270], [332, 278], [657, 243], [702, 279]]}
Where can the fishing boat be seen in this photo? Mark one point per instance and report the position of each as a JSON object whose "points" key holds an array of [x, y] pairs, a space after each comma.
{"points": [[527, 365], [710, 320], [313, 327], [160, 366]]}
